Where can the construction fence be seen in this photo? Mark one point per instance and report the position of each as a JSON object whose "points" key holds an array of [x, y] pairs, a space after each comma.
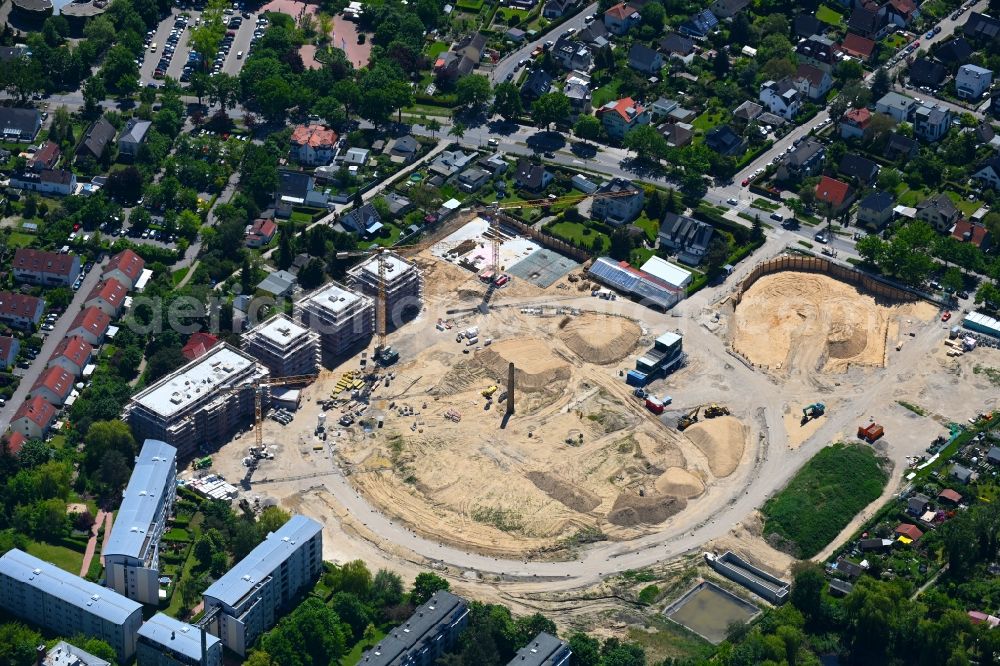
{"points": [[865, 282], [544, 239]]}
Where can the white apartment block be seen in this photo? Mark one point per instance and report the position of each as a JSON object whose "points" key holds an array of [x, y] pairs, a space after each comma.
{"points": [[132, 553], [340, 317], [286, 348], [403, 287], [253, 595], [165, 641], [201, 403], [44, 595]]}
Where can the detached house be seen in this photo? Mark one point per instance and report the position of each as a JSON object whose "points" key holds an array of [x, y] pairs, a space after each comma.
{"points": [[818, 51], [18, 124], [988, 173], [95, 142], [876, 209], [725, 141], [899, 107], [261, 232], [132, 137], [902, 12], [938, 211], [685, 236], [900, 147], [50, 269], [858, 47], [531, 177], [403, 149], [60, 182], [621, 18], [970, 232], [972, 81], [296, 188], [619, 210], [982, 27], [724, 9], [812, 82], [462, 59], [804, 161], [34, 418], [924, 72], [45, 158], [364, 220], [645, 59], [699, 25], [622, 116], [571, 55], [931, 123], [554, 9], [954, 52], [869, 22], [781, 98], [313, 144], [860, 169], [836, 193], [678, 47], [855, 123], [537, 83]]}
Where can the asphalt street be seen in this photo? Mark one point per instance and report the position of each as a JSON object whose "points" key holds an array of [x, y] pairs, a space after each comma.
{"points": [[510, 63]]}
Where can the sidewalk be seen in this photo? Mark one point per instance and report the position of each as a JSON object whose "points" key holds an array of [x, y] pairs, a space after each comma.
{"points": [[88, 554]]}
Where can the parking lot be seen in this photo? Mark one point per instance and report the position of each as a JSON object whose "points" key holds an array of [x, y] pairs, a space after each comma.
{"points": [[160, 38]]}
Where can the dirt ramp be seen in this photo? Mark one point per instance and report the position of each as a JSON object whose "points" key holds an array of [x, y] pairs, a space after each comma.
{"points": [[631, 510], [577, 499], [600, 339], [722, 440], [679, 482], [536, 368]]}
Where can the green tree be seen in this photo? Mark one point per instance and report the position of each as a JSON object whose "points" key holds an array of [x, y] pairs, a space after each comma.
{"points": [[550, 108], [353, 612], [387, 588], [507, 101], [881, 83], [286, 254], [807, 589], [720, 64], [18, 643], [313, 274], [621, 244], [647, 142], [953, 281], [311, 634], [354, 577], [587, 128], [473, 90], [271, 519], [586, 649], [425, 585], [457, 130]]}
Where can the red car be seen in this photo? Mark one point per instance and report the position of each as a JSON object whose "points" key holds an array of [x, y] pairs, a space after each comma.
{"points": [[946, 316], [746, 181]]}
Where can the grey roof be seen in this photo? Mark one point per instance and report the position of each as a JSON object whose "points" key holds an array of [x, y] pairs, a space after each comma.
{"points": [[21, 121], [294, 184], [954, 51], [642, 55], [405, 145], [699, 24], [818, 48], [263, 560], [748, 110], [924, 72], [100, 134], [878, 200], [807, 25], [894, 100], [674, 43], [804, 152], [135, 131], [360, 220], [941, 203], [67, 654], [543, 650], [917, 503], [993, 454], [900, 144], [89, 597], [175, 636], [396, 202], [441, 610], [841, 586], [153, 475], [529, 175], [722, 139], [855, 166], [685, 232], [865, 21], [982, 26], [278, 282], [537, 83], [961, 473]]}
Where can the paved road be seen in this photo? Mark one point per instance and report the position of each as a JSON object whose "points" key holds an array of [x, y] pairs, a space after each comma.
{"points": [[241, 42], [52, 340], [509, 64]]}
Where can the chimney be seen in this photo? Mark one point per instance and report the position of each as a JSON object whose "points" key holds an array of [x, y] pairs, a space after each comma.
{"points": [[173, 635]]}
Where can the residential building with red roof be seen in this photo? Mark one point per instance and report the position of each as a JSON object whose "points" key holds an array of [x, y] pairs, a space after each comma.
{"points": [[902, 12], [620, 18], [49, 269], [9, 347], [812, 81], [313, 144], [55, 385], [858, 47], [855, 123], [622, 116], [46, 157], [108, 296], [261, 232], [72, 354], [911, 532], [91, 325], [949, 495], [198, 345], [836, 193], [33, 418], [126, 267], [969, 232], [20, 310], [14, 442]]}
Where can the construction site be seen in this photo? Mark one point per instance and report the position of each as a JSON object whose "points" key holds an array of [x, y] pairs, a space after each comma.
{"points": [[522, 426]]}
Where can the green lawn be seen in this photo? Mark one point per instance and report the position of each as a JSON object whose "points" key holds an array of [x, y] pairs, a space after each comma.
{"points": [[605, 94], [651, 227], [179, 274], [354, 656], [61, 556], [19, 239], [967, 207], [709, 119], [436, 49], [298, 217], [470, 5], [829, 16], [823, 497], [504, 14], [894, 42], [388, 241], [577, 232], [908, 197]]}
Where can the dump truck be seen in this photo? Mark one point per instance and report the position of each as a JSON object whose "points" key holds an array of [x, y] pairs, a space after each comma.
{"points": [[689, 419], [870, 433], [715, 410]]}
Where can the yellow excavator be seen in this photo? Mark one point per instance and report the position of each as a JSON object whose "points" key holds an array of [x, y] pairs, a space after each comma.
{"points": [[688, 419], [715, 410]]}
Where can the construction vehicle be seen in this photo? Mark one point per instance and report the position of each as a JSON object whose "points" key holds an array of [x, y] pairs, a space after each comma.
{"points": [[488, 392], [714, 410], [689, 419], [654, 404], [813, 411], [202, 463], [871, 432]]}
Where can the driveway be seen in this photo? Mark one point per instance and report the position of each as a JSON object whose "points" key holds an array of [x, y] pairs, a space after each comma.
{"points": [[52, 340]]}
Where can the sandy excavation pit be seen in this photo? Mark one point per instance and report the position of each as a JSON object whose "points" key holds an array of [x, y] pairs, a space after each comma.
{"points": [[812, 322], [580, 454]]}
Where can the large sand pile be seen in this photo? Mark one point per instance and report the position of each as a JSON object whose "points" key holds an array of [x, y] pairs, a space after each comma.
{"points": [[536, 368], [722, 440], [810, 321], [679, 482], [600, 339], [573, 497], [630, 510]]}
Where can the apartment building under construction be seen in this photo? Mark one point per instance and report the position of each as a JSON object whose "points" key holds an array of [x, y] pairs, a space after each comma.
{"points": [[342, 319], [285, 347], [403, 286]]}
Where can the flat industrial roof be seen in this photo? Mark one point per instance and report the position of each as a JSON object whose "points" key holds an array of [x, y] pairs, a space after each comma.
{"points": [[178, 636], [394, 267], [263, 560], [332, 297], [668, 339], [178, 390], [154, 473], [670, 273], [88, 597], [280, 330]]}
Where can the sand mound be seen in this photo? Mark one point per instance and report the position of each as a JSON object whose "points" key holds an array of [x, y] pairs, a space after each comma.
{"points": [[811, 321], [535, 367], [630, 510], [679, 482], [722, 440], [577, 499], [601, 340]]}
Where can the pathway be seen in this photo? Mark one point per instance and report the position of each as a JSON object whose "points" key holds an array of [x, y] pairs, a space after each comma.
{"points": [[88, 554]]}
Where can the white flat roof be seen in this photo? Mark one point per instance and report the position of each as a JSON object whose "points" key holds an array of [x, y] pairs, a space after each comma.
{"points": [[191, 382], [280, 330], [670, 273], [394, 267], [332, 297]]}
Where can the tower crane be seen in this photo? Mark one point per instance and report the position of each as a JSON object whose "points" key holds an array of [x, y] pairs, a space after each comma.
{"points": [[385, 355]]}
